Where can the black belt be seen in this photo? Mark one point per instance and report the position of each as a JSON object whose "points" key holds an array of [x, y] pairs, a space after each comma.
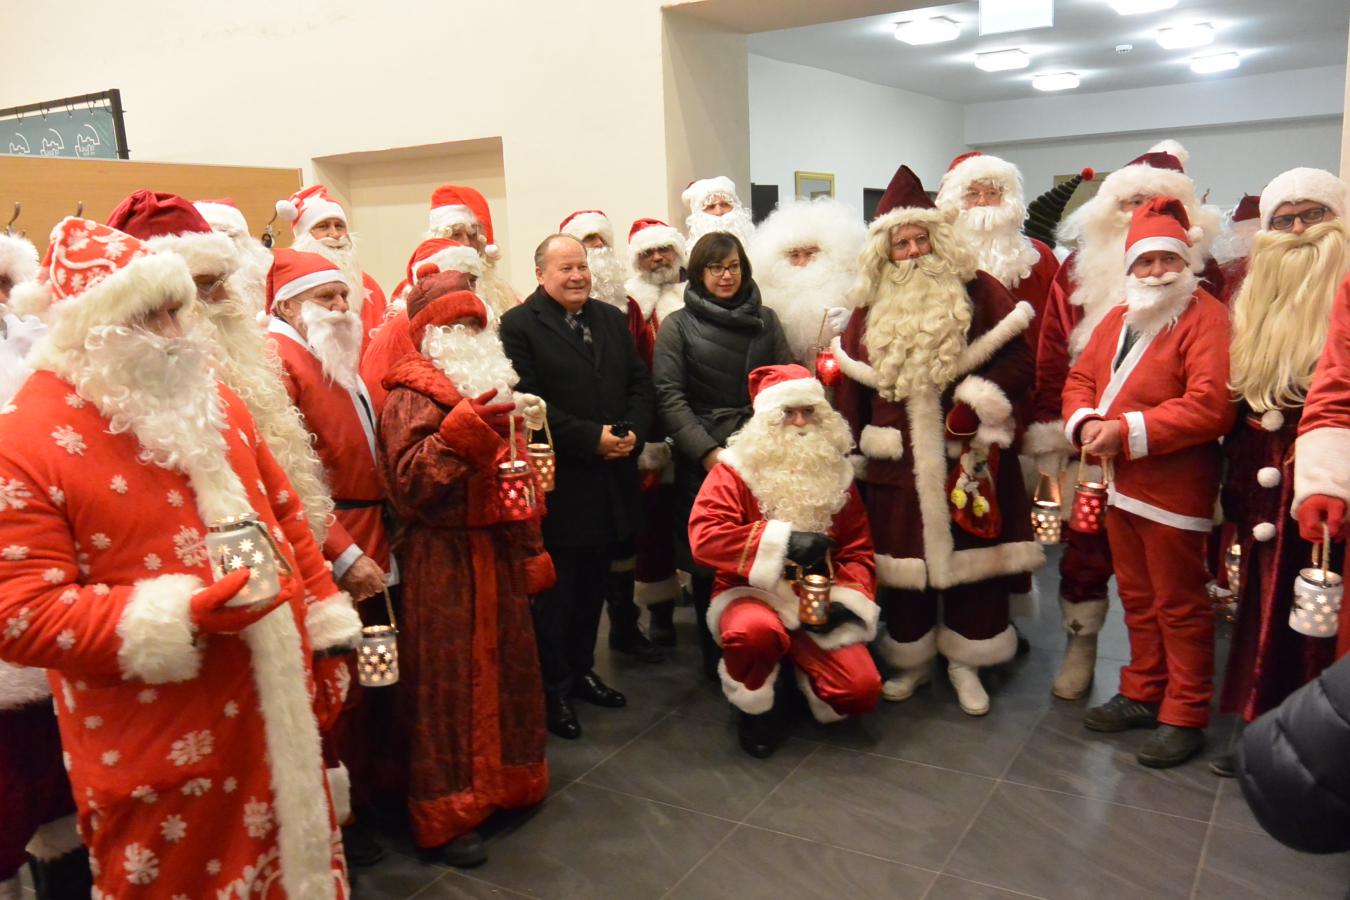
{"points": [[356, 504]]}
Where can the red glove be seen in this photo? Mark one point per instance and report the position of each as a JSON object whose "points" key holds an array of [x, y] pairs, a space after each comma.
{"points": [[497, 416], [210, 614], [1317, 509], [962, 422]]}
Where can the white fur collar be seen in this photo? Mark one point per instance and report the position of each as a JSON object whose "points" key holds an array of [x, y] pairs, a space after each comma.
{"points": [[661, 300]]}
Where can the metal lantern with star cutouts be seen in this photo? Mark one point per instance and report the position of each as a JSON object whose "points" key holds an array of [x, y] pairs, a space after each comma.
{"points": [[377, 654], [813, 594], [1317, 594], [544, 460], [515, 483], [241, 542], [1089, 500], [1045, 505]]}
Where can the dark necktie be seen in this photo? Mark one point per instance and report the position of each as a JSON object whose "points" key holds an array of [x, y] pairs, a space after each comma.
{"points": [[574, 320], [1131, 338]]}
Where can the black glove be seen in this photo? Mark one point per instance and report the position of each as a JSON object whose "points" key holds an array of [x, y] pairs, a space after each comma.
{"points": [[838, 615], [808, 548]]}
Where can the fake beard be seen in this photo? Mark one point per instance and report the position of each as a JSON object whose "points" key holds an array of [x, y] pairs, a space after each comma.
{"points": [[249, 279], [335, 338], [662, 274], [737, 222], [800, 295], [798, 475], [495, 289], [475, 362], [1155, 303], [995, 234], [607, 277], [341, 252], [1098, 272], [916, 326]]}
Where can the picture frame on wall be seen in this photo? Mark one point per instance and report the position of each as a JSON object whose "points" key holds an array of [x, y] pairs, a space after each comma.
{"points": [[810, 185]]}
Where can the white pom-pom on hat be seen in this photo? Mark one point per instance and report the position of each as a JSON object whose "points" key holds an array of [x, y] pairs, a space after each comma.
{"points": [[1272, 420], [286, 211], [492, 252], [1172, 147], [1269, 477], [1263, 531], [1195, 233]]}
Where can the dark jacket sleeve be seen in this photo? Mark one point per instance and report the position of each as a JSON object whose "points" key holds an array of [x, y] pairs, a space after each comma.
{"points": [[573, 435], [1292, 765], [782, 351], [692, 440]]}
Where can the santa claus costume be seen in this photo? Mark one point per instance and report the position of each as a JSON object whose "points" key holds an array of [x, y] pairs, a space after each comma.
{"points": [[1089, 284], [714, 206], [1156, 372], [1023, 265], [936, 341], [193, 750], [462, 214], [811, 288], [778, 491], [471, 697], [1280, 319], [34, 791], [390, 342], [308, 207]]}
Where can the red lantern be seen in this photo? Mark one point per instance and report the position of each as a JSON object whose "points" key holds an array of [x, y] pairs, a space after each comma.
{"points": [[515, 490], [827, 367], [1089, 500]]}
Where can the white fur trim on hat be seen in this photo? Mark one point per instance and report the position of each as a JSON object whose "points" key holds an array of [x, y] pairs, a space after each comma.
{"points": [[305, 282], [1263, 531], [696, 195], [223, 218], [445, 217], [1304, 184], [142, 285], [1126, 182], [1157, 242], [316, 210], [1269, 477], [206, 253], [654, 236], [157, 633], [453, 259], [583, 225], [990, 169], [793, 392], [911, 215], [18, 258]]}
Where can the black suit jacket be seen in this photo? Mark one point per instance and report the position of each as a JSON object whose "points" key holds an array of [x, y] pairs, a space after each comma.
{"points": [[595, 501]]}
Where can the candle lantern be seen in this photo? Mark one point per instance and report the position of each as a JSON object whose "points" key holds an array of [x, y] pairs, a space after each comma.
{"points": [[1089, 499], [544, 460], [241, 542], [1317, 594], [377, 654], [1232, 566], [515, 483], [827, 367], [1045, 521], [813, 595]]}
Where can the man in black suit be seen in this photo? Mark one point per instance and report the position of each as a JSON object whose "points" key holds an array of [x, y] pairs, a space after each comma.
{"points": [[578, 354]]}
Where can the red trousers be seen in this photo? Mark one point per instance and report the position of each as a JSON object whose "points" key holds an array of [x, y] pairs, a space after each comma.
{"points": [[755, 641], [1085, 568], [1161, 575], [655, 548]]}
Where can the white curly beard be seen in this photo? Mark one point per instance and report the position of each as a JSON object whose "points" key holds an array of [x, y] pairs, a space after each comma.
{"points": [[335, 338], [995, 234], [1156, 303], [474, 361], [608, 274], [737, 222], [798, 475], [801, 294], [916, 326], [341, 252]]}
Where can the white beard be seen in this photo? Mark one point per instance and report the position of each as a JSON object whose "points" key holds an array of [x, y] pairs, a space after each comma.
{"points": [[1156, 303], [249, 279], [495, 289], [995, 234], [736, 222], [608, 273], [335, 338], [798, 475], [341, 252], [475, 362], [801, 294], [657, 293], [1098, 276], [916, 326]]}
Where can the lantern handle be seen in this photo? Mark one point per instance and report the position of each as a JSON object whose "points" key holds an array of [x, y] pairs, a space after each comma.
{"points": [[820, 332], [389, 605], [548, 433], [1108, 470], [511, 435], [829, 564], [1326, 551]]}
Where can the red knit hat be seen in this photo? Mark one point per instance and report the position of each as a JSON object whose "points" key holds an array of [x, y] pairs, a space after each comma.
{"points": [[778, 387], [1161, 223], [294, 272], [456, 204], [308, 207], [648, 234], [436, 255], [447, 310], [586, 222], [168, 222]]}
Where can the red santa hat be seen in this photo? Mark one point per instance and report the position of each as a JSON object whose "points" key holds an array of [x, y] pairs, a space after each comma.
{"points": [[18, 258], [457, 204], [446, 309], [972, 167], [167, 222], [779, 387], [1296, 185], [294, 271], [95, 275], [1248, 208], [308, 207], [436, 255], [697, 195], [1158, 173], [223, 215], [1162, 223], [584, 223], [648, 234], [905, 202]]}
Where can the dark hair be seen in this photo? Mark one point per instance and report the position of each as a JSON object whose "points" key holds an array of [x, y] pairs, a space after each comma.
{"points": [[713, 247]]}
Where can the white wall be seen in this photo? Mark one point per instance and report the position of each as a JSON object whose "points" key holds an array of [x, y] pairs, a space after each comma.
{"points": [[808, 119]]}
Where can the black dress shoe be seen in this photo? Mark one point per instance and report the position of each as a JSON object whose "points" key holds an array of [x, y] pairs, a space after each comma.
{"points": [[1120, 713], [661, 623], [465, 851], [562, 719], [64, 878], [757, 735], [1224, 765], [632, 642], [1170, 745], [361, 849], [590, 688]]}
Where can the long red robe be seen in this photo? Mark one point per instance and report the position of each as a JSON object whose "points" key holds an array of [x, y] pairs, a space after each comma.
{"points": [[470, 693]]}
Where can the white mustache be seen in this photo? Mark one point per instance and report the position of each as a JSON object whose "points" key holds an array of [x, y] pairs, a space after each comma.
{"points": [[1157, 280]]}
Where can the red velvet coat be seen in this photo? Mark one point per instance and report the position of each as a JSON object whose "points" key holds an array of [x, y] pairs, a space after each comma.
{"points": [[194, 757], [908, 459], [472, 699], [372, 306], [1035, 288], [388, 344], [729, 534], [343, 424]]}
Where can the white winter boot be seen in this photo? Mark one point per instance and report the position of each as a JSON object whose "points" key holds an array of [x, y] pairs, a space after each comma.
{"points": [[1075, 673], [902, 686], [969, 692]]}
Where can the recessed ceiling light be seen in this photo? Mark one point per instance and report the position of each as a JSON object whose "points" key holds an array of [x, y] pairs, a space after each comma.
{"points": [[1058, 81], [1182, 37], [1002, 60], [1002, 16], [1136, 7], [928, 31], [1217, 62]]}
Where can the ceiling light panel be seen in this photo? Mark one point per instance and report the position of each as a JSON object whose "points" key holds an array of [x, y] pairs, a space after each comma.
{"points": [[1138, 7], [1217, 62], [1183, 37], [935, 30], [1057, 81], [1002, 60], [1002, 16]]}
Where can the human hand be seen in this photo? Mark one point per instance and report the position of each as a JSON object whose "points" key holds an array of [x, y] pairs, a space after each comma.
{"points": [[1101, 438], [496, 416], [363, 578], [210, 613], [1317, 509], [613, 447]]}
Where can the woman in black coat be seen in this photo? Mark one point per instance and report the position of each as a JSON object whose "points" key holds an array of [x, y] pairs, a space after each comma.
{"points": [[1294, 765], [704, 355]]}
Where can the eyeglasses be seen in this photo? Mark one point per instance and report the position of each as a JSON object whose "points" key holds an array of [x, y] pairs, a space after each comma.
{"points": [[1308, 217], [206, 289], [717, 270], [657, 251], [976, 195]]}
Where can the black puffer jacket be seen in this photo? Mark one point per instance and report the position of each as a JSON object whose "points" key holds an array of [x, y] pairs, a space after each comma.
{"points": [[1294, 765], [704, 356]]}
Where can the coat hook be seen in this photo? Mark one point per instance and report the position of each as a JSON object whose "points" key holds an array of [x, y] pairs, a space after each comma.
{"points": [[79, 210], [268, 238], [9, 226]]}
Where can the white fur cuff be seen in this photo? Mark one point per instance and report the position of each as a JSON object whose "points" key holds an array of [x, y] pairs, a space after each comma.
{"points": [[55, 839], [987, 652], [907, 573], [332, 623], [157, 633], [755, 702], [340, 787], [767, 569], [878, 442], [1046, 437], [909, 655], [646, 593], [1085, 618], [22, 685], [988, 400], [821, 711], [850, 632], [1322, 464]]}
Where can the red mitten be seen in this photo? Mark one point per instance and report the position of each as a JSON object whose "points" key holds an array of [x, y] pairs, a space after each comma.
{"points": [[962, 422], [210, 614], [496, 416], [1321, 508]]}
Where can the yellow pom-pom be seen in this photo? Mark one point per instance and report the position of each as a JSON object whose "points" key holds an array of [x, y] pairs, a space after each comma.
{"points": [[958, 498], [981, 506]]}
